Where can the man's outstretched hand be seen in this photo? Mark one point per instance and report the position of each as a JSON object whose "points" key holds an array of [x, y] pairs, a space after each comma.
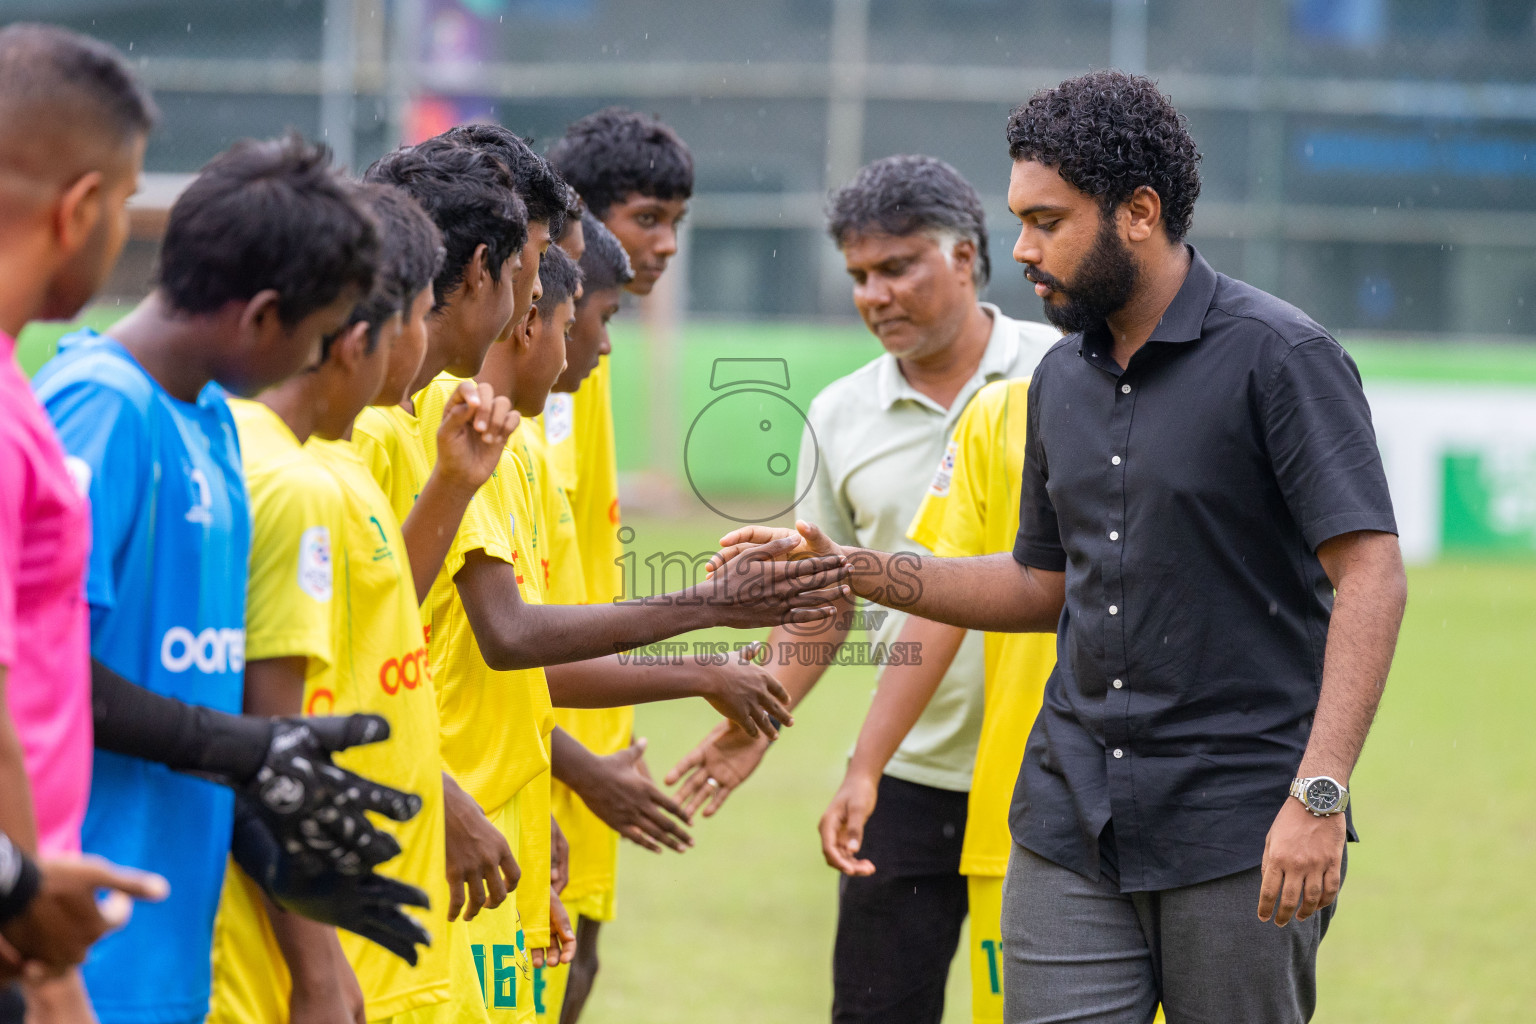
{"points": [[809, 542], [761, 585], [317, 811], [361, 902], [710, 771]]}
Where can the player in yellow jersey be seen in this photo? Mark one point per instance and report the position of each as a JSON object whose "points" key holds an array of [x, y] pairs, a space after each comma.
{"points": [[512, 635], [613, 788], [636, 177], [971, 508], [334, 627], [492, 719], [489, 273], [526, 369]]}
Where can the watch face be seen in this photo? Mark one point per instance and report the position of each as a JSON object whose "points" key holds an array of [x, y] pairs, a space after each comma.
{"points": [[1323, 794]]}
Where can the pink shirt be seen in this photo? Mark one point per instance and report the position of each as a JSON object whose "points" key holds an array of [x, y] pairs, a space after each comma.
{"points": [[44, 620]]}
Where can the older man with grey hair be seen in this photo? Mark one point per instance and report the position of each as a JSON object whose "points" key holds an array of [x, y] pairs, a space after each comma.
{"points": [[913, 237]]}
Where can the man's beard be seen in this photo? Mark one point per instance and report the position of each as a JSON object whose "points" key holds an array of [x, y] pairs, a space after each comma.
{"points": [[1104, 283]]}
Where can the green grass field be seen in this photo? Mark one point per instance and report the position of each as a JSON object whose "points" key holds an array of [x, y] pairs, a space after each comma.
{"points": [[1432, 922]]}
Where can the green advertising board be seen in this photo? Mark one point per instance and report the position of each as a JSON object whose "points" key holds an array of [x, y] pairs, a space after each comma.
{"points": [[720, 413], [1490, 503]]}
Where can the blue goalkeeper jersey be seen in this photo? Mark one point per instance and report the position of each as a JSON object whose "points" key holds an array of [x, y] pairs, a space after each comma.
{"points": [[170, 546]]}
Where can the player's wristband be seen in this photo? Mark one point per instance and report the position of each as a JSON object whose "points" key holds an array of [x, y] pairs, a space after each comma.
{"points": [[19, 880]]}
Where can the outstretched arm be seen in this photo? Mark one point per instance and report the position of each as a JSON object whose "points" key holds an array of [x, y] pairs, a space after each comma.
{"points": [[995, 593], [754, 590], [620, 792], [728, 755], [743, 692]]}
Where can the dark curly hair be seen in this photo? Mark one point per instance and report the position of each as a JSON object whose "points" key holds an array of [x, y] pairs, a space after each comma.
{"points": [[1107, 133], [906, 195], [547, 196], [469, 195], [267, 214], [605, 264], [614, 152], [410, 255], [560, 275]]}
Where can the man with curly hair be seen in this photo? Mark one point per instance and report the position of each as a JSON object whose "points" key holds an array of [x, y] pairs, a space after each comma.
{"points": [[1205, 525]]}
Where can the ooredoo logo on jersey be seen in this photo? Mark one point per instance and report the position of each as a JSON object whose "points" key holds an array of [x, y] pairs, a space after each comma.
{"points": [[210, 651]]}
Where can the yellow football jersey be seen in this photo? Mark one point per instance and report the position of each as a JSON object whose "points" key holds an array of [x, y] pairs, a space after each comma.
{"points": [[491, 721], [330, 581], [595, 489], [564, 579], [496, 725], [386, 670], [389, 440], [578, 434], [972, 508]]}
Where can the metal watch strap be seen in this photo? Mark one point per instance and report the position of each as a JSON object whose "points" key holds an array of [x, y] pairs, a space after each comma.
{"points": [[1301, 784]]}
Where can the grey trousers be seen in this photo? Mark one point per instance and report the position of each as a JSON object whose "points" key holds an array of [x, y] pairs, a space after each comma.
{"points": [[1081, 951]]}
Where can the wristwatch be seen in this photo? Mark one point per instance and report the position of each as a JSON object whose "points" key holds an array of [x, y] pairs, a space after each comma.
{"points": [[1321, 795]]}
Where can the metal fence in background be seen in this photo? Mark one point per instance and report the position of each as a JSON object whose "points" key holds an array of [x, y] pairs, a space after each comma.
{"points": [[1372, 160]]}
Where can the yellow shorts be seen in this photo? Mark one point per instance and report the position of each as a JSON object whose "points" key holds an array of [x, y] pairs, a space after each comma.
{"points": [[549, 992], [594, 856], [986, 894], [464, 1005], [594, 905], [499, 970]]}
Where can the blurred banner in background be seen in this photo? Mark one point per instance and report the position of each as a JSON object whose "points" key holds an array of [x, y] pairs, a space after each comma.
{"points": [[1372, 161]]}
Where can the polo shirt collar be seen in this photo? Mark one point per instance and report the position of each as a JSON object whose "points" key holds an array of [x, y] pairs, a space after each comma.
{"points": [[997, 361], [1184, 319]]}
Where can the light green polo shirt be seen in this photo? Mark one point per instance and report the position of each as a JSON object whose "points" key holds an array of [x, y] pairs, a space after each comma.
{"points": [[871, 449]]}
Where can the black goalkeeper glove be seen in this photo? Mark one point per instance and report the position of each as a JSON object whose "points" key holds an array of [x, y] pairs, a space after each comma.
{"points": [[363, 902], [317, 810], [283, 765]]}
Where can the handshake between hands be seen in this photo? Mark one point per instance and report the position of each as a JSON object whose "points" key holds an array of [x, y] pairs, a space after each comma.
{"points": [[802, 560], [804, 541]]}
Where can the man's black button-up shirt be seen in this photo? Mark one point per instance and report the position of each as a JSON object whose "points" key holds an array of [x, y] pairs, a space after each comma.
{"points": [[1185, 497]]}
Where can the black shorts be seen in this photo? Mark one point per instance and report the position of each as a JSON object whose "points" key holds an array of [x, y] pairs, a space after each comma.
{"points": [[898, 929]]}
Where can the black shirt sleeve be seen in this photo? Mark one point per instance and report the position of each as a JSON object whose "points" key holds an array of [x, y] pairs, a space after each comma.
{"points": [[1317, 428], [1038, 543]]}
